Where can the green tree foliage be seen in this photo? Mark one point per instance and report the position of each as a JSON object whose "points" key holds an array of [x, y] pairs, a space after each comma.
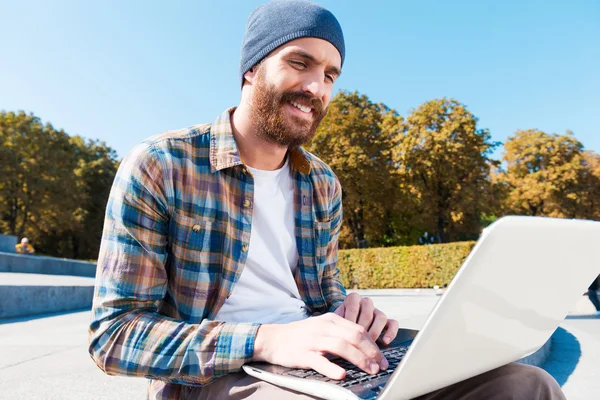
{"points": [[442, 160], [36, 167], [543, 174], [355, 140], [53, 187]]}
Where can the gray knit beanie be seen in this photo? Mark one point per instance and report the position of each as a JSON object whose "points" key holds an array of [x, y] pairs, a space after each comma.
{"points": [[280, 21]]}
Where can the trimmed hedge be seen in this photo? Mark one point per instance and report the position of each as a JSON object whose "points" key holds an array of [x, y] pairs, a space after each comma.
{"points": [[402, 267]]}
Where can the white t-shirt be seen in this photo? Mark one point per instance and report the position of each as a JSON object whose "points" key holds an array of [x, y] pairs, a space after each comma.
{"points": [[266, 292]]}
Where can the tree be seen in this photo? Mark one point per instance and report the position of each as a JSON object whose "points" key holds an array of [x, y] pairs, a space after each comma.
{"points": [[94, 173], [442, 160], [36, 164], [53, 187], [589, 188], [543, 174], [355, 140]]}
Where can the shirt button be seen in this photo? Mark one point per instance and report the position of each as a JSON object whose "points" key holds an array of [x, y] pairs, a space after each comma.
{"points": [[196, 228], [245, 248], [246, 203]]}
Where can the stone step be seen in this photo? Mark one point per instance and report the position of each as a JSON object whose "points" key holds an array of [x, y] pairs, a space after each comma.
{"points": [[32, 294]]}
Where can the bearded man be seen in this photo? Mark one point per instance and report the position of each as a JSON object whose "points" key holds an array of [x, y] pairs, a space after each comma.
{"points": [[220, 242]]}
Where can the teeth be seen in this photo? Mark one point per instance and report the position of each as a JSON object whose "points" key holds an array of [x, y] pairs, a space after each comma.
{"points": [[300, 107]]}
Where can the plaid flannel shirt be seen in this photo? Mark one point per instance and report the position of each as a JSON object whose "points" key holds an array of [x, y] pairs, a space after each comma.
{"points": [[175, 242]]}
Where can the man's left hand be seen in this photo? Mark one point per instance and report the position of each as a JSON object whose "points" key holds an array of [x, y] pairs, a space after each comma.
{"points": [[361, 310]]}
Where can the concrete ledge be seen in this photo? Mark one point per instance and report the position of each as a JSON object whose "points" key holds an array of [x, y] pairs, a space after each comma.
{"points": [[26, 264], [8, 243], [24, 295]]}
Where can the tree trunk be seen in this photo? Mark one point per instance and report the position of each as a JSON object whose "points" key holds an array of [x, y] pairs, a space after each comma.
{"points": [[441, 235], [75, 245], [357, 228], [23, 222], [12, 221]]}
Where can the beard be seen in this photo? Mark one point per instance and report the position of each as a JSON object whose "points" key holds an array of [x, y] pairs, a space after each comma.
{"points": [[270, 121]]}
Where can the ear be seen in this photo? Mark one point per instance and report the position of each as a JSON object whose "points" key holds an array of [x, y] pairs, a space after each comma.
{"points": [[250, 74]]}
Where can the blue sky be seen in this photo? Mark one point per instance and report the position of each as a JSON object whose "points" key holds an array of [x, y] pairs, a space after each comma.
{"points": [[121, 71]]}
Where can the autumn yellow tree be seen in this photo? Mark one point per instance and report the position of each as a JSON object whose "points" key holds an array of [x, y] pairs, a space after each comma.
{"points": [[589, 187], [443, 161], [355, 140], [543, 174]]}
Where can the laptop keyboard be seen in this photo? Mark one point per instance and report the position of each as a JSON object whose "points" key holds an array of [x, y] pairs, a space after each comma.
{"points": [[354, 375]]}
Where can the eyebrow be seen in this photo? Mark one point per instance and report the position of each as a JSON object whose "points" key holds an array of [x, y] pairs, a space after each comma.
{"points": [[303, 54]]}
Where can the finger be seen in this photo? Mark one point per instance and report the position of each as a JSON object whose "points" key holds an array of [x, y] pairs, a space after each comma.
{"points": [[343, 326], [352, 307], [379, 323], [391, 331], [326, 367], [340, 310], [357, 336], [342, 348], [365, 318]]}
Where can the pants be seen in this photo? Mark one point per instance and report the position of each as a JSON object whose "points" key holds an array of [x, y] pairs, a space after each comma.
{"points": [[513, 381]]}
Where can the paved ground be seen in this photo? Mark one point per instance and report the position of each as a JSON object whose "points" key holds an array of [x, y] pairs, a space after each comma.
{"points": [[46, 358]]}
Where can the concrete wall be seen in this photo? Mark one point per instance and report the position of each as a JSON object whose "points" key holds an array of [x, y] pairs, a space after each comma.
{"points": [[21, 301], [45, 265], [31, 285], [8, 243], [30, 294]]}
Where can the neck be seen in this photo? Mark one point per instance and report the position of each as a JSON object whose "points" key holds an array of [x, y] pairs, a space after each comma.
{"points": [[254, 151]]}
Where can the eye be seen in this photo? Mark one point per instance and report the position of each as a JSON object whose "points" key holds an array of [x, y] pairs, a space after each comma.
{"points": [[330, 78], [298, 64]]}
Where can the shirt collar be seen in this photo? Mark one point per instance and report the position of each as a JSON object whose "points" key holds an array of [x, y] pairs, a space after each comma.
{"points": [[224, 151]]}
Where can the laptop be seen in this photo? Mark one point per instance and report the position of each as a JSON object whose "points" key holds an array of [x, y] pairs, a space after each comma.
{"points": [[517, 285]]}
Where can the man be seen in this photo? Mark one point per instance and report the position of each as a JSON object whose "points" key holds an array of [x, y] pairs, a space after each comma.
{"points": [[220, 241], [24, 247]]}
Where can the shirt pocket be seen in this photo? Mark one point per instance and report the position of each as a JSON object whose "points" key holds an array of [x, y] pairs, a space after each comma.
{"points": [[196, 241]]}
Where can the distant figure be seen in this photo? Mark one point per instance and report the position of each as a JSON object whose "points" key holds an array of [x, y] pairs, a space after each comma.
{"points": [[24, 247], [593, 295]]}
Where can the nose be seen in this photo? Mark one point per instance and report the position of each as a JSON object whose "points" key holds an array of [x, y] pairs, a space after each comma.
{"points": [[314, 85]]}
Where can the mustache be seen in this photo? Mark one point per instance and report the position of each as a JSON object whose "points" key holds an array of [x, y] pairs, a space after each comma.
{"points": [[303, 98]]}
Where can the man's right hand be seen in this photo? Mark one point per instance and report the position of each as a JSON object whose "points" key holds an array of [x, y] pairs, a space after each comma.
{"points": [[303, 344]]}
